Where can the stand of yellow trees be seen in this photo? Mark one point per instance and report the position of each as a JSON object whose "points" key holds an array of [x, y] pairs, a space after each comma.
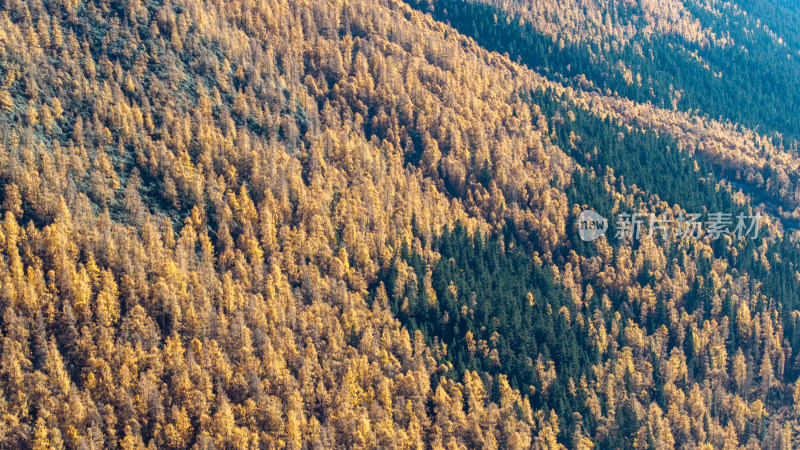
{"points": [[199, 195]]}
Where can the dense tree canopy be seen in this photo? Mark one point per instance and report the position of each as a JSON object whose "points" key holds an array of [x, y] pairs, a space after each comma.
{"points": [[300, 224]]}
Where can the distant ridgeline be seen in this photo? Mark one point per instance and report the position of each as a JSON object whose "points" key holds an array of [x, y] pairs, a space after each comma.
{"points": [[752, 82]]}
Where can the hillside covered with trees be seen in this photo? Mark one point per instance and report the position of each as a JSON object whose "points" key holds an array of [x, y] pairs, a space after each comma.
{"points": [[354, 224]]}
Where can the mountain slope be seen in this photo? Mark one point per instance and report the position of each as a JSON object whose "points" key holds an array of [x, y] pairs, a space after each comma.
{"points": [[700, 59], [195, 200], [344, 224]]}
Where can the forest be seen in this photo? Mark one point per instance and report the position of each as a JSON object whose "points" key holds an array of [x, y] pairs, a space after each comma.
{"points": [[354, 224]]}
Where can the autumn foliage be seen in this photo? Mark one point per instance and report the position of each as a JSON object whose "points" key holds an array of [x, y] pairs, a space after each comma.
{"points": [[200, 200]]}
